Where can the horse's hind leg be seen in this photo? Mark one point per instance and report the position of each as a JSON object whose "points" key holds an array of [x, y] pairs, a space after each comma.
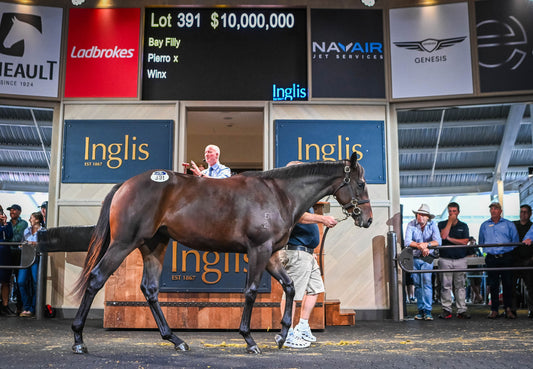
{"points": [[257, 260], [99, 275], [150, 288], [276, 269]]}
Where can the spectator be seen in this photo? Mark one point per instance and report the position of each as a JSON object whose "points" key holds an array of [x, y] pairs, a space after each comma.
{"points": [[27, 278], [19, 226], [215, 169], [498, 230], [6, 232], [523, 255], [44, 210], [453, 232], [422, 233]]}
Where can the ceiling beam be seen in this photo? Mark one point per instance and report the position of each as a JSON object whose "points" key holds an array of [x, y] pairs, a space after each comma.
{"points": [[23, 170], [452, 124], [24, 187], [474, 170], [454, 149], [23, 148], [24, 123], [512, 127], [444, 190]]}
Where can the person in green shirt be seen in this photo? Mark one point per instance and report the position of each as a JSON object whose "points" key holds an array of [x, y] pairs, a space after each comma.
{"points": [[19, 226]]}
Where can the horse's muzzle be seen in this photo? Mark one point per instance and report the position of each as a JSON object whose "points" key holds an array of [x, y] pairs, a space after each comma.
{"points": [[357, 216]]}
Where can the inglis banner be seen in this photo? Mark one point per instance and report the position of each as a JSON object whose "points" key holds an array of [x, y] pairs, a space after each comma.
{"points": [[505, 45], [430, 51], [102, 53], [30, 42], [187, 270], [111, 151], [332, 140]]}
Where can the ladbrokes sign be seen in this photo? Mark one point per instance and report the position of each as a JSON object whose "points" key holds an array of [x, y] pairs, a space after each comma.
{"points": [[103, 52], [30, 40]]}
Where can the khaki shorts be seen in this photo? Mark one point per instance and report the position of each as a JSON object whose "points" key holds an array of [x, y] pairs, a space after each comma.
{"points": [[304, 272]]}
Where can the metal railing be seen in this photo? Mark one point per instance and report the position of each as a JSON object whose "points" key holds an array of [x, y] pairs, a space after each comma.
{"points": [[406, 258]]}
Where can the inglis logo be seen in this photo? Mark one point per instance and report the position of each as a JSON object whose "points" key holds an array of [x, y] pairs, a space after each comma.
{"points": [[114, 154], [291, 93], [13, 27]]}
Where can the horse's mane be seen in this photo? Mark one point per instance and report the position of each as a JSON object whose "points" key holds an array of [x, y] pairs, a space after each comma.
{"points": [[297, 170]]}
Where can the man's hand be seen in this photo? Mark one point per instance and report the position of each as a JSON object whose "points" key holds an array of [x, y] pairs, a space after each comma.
{"points": [[194, 168], [329, 221], [527, 241]]}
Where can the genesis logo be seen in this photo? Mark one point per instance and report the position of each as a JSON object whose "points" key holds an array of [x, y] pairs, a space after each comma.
{"points": [[430, 44], [501, 43], [13, 27]]}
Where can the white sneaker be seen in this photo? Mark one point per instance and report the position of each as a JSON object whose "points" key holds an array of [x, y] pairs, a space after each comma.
{"points": [[304, 332], [296, 342]]}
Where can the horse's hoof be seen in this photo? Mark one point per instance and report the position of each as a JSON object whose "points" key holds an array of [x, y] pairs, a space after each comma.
{"points": [[80, 348], [182, 347], [279, 340], [253, 349]]}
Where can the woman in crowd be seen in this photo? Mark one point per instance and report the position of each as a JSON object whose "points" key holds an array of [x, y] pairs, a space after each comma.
{"points": [[27, 278]]}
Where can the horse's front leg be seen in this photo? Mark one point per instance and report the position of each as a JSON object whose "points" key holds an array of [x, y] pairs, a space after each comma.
{"points": [[150, 288], [257, 259], [276, 270]]}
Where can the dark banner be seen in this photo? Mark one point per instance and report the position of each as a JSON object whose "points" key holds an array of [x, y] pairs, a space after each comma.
{"points": [[347, 53], [187, 270], [111, 151], [332, 140], [505, 45], [225, 54]]}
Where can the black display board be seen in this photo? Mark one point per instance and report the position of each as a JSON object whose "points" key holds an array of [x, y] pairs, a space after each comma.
{"points": [[505, 45], [347, 53], [225, 54]]}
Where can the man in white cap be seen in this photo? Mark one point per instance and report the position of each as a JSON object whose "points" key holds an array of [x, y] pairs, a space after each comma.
{"points": [[422, 233]]}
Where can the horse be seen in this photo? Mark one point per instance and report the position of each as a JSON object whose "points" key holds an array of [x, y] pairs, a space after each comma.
{"points": [[253, 213]]}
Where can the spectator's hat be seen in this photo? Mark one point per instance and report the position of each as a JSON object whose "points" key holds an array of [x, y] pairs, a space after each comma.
{"points": [[44, 205], [496, 205], [424, 210], [15, 207]]}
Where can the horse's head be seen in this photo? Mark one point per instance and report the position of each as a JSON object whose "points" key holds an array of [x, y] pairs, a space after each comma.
{"points": [[352, 193]]}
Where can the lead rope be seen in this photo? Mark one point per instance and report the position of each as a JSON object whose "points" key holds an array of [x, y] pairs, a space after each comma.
{"points": [[320, 251]]}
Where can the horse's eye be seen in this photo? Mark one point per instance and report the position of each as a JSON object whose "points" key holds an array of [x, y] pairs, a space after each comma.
{"points": [[361, 185]]}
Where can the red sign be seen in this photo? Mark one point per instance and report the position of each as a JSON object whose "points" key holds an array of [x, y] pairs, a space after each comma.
{"points": [[103, 53]]}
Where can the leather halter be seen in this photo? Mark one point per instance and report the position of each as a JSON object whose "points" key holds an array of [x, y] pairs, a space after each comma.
{"points": [[354, 201]]}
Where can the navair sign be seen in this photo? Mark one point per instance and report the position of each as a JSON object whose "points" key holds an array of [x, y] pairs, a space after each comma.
{"points": [[102, 53], [30, 41]]}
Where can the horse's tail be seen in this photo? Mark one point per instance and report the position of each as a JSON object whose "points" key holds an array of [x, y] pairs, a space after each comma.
{"points": [[98, 245]]}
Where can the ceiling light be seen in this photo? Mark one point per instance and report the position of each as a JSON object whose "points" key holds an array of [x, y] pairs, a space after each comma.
{"points": [[365, 2], [77, 2]]}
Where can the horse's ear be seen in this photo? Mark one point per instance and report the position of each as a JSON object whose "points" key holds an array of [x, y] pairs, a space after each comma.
{"points": [[353, 159]]}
